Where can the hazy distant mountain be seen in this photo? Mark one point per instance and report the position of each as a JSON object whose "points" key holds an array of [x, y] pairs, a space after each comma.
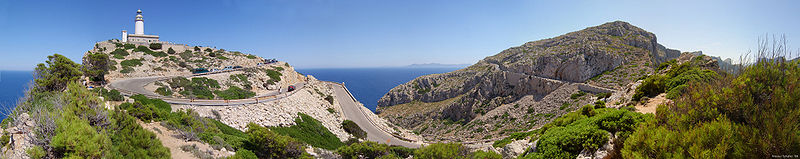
{"points": [[437, 65]]}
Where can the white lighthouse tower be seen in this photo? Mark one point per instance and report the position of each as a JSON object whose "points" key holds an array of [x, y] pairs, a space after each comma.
{"points": [[139, 23], [138, 35]]}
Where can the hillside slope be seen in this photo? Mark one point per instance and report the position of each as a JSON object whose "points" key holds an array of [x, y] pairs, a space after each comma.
{"points": [[524, 87]]}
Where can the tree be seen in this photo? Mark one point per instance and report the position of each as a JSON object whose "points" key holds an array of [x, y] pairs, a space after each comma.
{"points": [[56, 73], [95, 66]]}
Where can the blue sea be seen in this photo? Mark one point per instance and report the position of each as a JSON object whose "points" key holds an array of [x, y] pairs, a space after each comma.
{"points": [[370, 84], [12, 87]]}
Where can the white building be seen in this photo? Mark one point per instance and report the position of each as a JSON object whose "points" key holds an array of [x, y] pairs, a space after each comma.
{"points": [[138, 35]]}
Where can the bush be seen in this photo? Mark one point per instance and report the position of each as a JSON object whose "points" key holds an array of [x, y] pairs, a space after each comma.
{"points": [[129, 46], [251, 56], [164, 91], [76, 138], [351, 127], [234, 92], [274, 75], [170, 51], [603, 95], [4, 139], [480, 154], [599, 104], [130, 140], [742, 116], [571, 133], [311, 131], [119, 53], [131, 63], [112, 95], [36, 152], [367, 149], [442, 150], [155, 46], [576, 95], [244, 154], [267, 144], [652, 86]]}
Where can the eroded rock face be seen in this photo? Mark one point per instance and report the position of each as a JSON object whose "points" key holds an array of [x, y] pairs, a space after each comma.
{"points": [[533, 69]]}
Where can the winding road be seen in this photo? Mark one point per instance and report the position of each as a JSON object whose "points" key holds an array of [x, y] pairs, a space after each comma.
{"points": [[351, 110], [354, 112]]}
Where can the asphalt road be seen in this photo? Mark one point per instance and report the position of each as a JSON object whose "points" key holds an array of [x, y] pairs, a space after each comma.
{"points": [[353, 112]]}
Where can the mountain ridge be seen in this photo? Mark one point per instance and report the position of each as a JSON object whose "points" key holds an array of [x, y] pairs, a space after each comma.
{"points": [[520, 77]]}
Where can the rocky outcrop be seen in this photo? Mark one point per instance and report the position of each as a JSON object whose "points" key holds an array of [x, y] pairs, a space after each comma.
{"points": [[606, 57]]}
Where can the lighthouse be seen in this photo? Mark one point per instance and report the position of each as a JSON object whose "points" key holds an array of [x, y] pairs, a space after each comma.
{"points": [[139, 23], [138, 35]]}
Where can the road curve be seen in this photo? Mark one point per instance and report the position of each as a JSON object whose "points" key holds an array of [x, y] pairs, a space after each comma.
{"points": [[352, 111]]}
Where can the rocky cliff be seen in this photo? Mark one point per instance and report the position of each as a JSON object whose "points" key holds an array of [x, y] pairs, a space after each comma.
{"points": [[512, 84]]}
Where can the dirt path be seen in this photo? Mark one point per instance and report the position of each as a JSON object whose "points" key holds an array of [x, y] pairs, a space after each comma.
{"points": [[174, 144], [652, 104]]}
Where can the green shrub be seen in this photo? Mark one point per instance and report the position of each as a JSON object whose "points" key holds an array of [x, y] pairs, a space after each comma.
{"points": [[145, 112], [571, 133], [367, 149], [599, 104], [130, 140], [119, 53], [170, 51], [251, 56], [242, 79], [76, 138], [155, 46], [36, 152], [603, 95], [275, 75], [129, 46], [564, 105], [234, 92], [164, 91], [244, 154], [744, 116], [131, 63], [267, 144], [576, 95], [442, 150], [400, 151], [112, 95], [4, 139], [652, 86], [311, 131], [480, 154], [351, 127]]}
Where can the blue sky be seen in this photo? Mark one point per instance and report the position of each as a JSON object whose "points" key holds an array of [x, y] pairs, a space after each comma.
{"points": [[355, 33]]}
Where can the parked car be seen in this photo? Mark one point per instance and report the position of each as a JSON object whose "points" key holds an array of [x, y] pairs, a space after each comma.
{"points": [[199, 70], [227, 68], [291, 88], [237, 67]]}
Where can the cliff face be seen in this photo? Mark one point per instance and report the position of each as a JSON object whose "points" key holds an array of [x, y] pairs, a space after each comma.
{"points": [[615, 54]]}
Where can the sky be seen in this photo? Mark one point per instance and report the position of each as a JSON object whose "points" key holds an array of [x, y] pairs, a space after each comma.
{"points": [[370, 33]]}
